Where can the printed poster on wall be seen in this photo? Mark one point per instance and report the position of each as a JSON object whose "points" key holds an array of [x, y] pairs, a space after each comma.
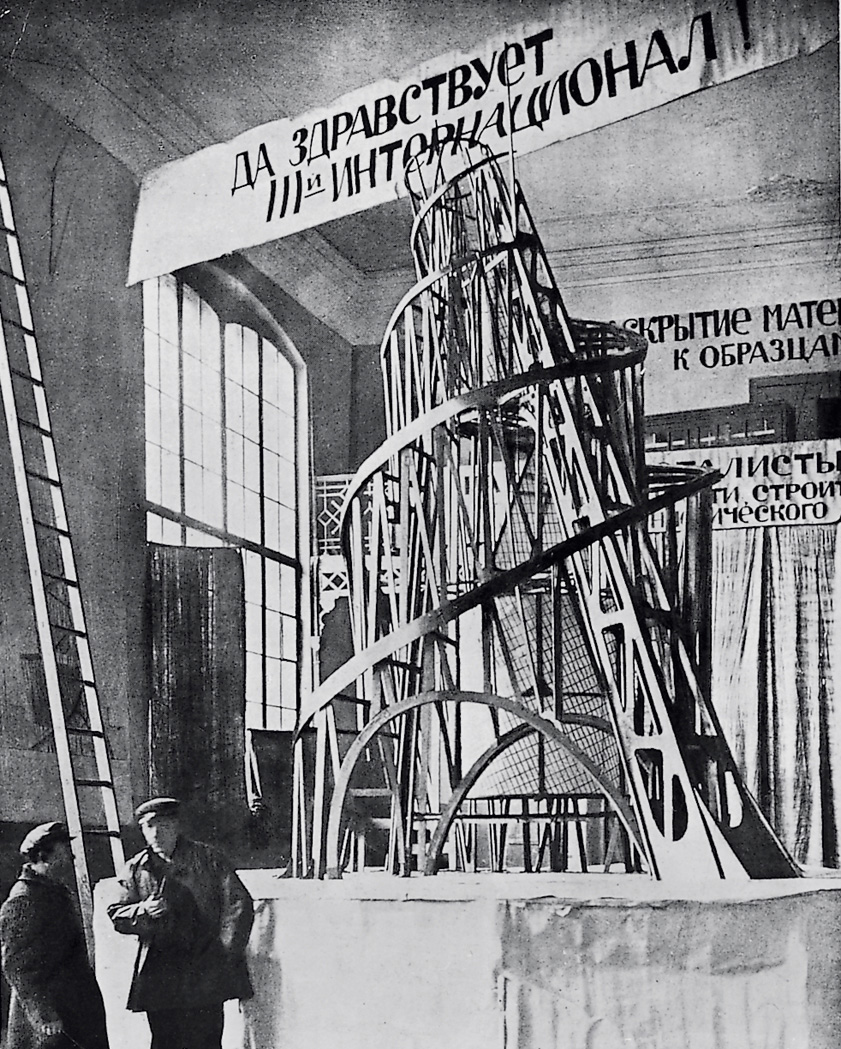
{"points": [[767, 485]]}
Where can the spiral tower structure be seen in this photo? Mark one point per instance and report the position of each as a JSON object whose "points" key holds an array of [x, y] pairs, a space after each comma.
{"points": [[522, 692]]}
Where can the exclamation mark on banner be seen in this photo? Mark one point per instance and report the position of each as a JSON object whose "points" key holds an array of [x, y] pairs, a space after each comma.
{"points": [[742, 8]]}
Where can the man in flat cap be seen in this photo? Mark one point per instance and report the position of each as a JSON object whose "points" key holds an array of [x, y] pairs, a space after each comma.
{"points": [[193, 917], [56, 1002]]}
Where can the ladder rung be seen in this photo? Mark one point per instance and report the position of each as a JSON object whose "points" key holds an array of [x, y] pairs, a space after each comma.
{"points": [[43, 477], [61, 579], [27, 377], [11, 276], [21, 327], [50, 527], [68, 629], [86, 732], [101, 831], [38, 429], [94, 783]]}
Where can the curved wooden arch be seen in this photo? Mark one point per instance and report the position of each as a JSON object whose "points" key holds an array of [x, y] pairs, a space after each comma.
{"points": [[469, 779], [463, 788], [546, 728]]}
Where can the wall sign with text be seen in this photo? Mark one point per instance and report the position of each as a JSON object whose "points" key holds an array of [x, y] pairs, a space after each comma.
{"points": [[708, 357], [770, 484]]}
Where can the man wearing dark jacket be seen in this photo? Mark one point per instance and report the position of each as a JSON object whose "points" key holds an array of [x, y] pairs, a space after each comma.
{"points": [[193, 917], [55, 1002]]}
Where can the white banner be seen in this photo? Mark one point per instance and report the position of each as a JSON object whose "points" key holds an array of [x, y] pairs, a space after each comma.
{"points": [[588, 64], [770, 484]]}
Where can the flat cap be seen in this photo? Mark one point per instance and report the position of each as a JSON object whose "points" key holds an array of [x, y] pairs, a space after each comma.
{"points": [[42, 835], [157, 807]]}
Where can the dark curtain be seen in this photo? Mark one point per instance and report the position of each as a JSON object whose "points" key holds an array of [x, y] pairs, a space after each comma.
{"points": [[197, 701]]}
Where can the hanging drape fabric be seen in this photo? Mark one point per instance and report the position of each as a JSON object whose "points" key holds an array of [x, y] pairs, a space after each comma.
{"points": [[776, 673], [197, 701]]}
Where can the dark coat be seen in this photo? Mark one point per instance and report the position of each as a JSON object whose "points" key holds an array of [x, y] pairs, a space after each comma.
{"points": [[46, 964], [194, 955]]}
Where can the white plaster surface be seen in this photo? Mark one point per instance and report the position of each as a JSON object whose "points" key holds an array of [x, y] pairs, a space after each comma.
{"points": [[523, 962]]}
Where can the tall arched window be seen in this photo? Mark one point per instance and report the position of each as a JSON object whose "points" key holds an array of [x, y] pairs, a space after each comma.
{"points": [[227, 464]]}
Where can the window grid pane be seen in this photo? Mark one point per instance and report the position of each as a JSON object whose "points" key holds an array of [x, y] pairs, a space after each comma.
{"points": [[211, 339], [151, 359], [192, 381], [272, 682], [233, 353], [270, 356], [193, 537], [153, 474], [289, 638], [250, 361], [153, 416], [192, 435], [170, 424], [251, 465], [289, 685], [211, 393], [211, 433], [154, 527], [285, 385], [170, 481], [170, 381], [190, 330], [193, 501], [253, 626], [212, 499], [272, 634], [236, 503], [220, 420], [168, 310], [233, 406]]}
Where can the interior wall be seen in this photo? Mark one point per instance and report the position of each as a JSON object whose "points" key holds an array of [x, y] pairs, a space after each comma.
{"points": [[73, 205], [367, 412]]}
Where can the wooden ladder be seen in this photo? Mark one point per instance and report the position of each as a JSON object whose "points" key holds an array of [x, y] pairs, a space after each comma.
{"points": [[84, 767]]}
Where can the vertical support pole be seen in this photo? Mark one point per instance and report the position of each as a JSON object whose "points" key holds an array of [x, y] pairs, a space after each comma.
{"points": [[319, 800]]}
